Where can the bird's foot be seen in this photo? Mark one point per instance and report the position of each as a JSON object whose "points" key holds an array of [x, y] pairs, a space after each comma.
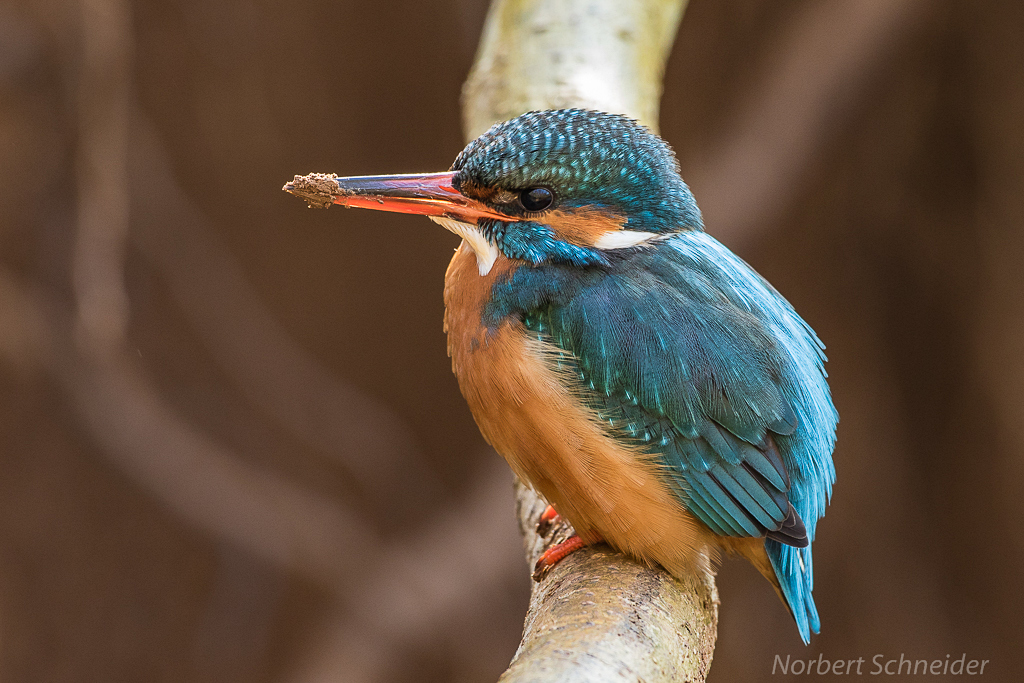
{"points": [[555, 554], [548, 519]]}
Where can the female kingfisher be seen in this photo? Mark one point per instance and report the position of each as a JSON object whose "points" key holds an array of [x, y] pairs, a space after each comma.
{"points": [[659, 393]]}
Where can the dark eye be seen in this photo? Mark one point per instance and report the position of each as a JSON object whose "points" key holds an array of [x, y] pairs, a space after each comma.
{"points": [[536, 198]]}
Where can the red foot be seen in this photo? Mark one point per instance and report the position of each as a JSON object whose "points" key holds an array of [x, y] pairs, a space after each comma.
{"points": [[548, 519], [556, 554]]}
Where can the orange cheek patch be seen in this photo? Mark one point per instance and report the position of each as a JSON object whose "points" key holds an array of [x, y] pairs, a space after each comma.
{"points": [[583, 226]]}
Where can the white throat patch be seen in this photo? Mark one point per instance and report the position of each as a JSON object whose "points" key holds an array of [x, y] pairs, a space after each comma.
{"points": [[485, 250]]}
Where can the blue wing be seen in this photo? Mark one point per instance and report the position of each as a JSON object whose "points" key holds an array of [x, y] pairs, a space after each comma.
{"points": [[690, 351], [736, 488]]}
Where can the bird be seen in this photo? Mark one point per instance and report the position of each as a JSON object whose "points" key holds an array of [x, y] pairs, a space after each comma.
{"points": [[661, 395]]}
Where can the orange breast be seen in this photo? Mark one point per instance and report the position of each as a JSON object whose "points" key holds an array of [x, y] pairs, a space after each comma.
{"points": [[527, 412]]}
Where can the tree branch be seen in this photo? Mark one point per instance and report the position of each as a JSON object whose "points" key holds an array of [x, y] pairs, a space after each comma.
{"points": [[598, 54], [597, 615]]}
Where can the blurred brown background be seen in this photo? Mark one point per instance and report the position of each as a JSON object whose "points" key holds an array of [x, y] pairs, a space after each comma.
{"points": [[232, 448]]}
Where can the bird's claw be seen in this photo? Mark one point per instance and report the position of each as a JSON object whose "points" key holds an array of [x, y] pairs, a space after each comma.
{"points": [[555, 554], [548, 519]]}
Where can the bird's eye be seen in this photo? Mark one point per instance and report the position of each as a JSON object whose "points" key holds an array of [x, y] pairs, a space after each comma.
{"points": [[536, 198]]}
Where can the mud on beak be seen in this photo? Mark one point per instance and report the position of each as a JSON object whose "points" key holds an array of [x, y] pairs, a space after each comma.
{"points": [[427, 194]]}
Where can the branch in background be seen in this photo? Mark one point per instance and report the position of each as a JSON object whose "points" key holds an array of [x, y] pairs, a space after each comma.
{"points": [[827, 57], [285, 381], [103, 98], [598, 615]]}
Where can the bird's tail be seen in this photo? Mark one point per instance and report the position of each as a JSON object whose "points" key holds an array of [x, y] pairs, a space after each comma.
{"points": [[794, 579], [789, 571]]}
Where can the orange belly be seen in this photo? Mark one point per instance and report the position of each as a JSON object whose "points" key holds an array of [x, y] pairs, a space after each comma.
{"points": [[527, 412]]}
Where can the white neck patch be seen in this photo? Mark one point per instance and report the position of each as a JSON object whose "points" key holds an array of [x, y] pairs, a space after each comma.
{"points": [[621, 239], [485, 250]]}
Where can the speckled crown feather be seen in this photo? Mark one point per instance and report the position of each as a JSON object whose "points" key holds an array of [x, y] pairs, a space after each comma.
{"points": [[587, 158]]}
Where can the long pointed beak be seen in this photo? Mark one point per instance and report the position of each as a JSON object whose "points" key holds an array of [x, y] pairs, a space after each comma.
{"points": [[427, 194]]}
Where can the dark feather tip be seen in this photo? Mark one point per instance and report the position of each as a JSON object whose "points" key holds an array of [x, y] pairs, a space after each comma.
{"points": [[792, 532]]}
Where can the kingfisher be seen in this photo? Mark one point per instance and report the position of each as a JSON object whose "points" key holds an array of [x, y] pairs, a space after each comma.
{"points": [[654, 389]]}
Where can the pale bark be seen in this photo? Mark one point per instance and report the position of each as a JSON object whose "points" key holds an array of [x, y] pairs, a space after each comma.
{"points": [[599, 54], [597, 616]]}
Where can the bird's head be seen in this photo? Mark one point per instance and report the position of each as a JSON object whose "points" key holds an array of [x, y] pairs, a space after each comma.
{"points": [[569, 186]]}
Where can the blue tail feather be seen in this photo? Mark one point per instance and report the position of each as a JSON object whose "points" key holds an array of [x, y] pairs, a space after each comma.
{"points": [[795, 572]]}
